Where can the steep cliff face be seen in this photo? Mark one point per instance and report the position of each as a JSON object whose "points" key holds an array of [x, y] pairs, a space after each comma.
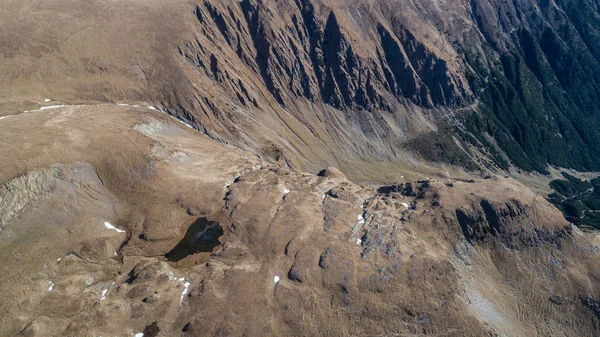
{"points": [[521, 77], [345, 74], [299, 53], [309, 83]]}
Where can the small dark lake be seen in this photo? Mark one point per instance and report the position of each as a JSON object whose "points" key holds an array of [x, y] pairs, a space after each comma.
{"points": [[202, 236]]}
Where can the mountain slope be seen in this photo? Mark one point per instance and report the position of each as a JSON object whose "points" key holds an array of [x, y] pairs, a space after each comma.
{"points": [[107, 235], [159, 161], [366, 86]]}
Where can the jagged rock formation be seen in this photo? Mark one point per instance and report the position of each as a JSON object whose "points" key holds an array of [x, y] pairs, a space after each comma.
{"points": [[531, 68], [305, 56], [311, 83]]}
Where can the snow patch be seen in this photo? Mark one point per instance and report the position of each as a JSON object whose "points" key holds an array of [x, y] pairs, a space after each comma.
{"points": [[323, 197], [139, 334], [404, 204], [46, 100], [103, 294], [286, 191], [185, 291], [109, 226], [361, 219], [184, 123], [51, 286], [276, 279], [359, 241], [152, 108], [52, 107], [3, 117]]}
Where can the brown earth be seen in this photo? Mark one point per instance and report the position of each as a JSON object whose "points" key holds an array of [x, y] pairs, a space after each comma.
{"points": [[100, 197], [440, 258]]}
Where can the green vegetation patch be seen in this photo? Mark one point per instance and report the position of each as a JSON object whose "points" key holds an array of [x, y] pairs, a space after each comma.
{"points": [[578, 200]]}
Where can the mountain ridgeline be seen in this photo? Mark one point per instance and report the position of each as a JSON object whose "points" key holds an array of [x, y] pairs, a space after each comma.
{"points": [[515, 81]]}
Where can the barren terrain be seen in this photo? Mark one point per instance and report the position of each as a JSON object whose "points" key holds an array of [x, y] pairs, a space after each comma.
{"points": [[85, 233], [295, 168]]}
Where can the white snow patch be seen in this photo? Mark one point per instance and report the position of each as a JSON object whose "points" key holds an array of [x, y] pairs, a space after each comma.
{"points": [[58, 260], [3, 117], [109, 226], [52, 107], [152, 108], [182, 122], [359, 241], [181, 279], [286, 191], [46, 100], [276, 279], [186, 124], [361, 219], [139, 334], [129, 105], [323, 197], [185, 291], [51, 286], [103, 294], [404, 204]]}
